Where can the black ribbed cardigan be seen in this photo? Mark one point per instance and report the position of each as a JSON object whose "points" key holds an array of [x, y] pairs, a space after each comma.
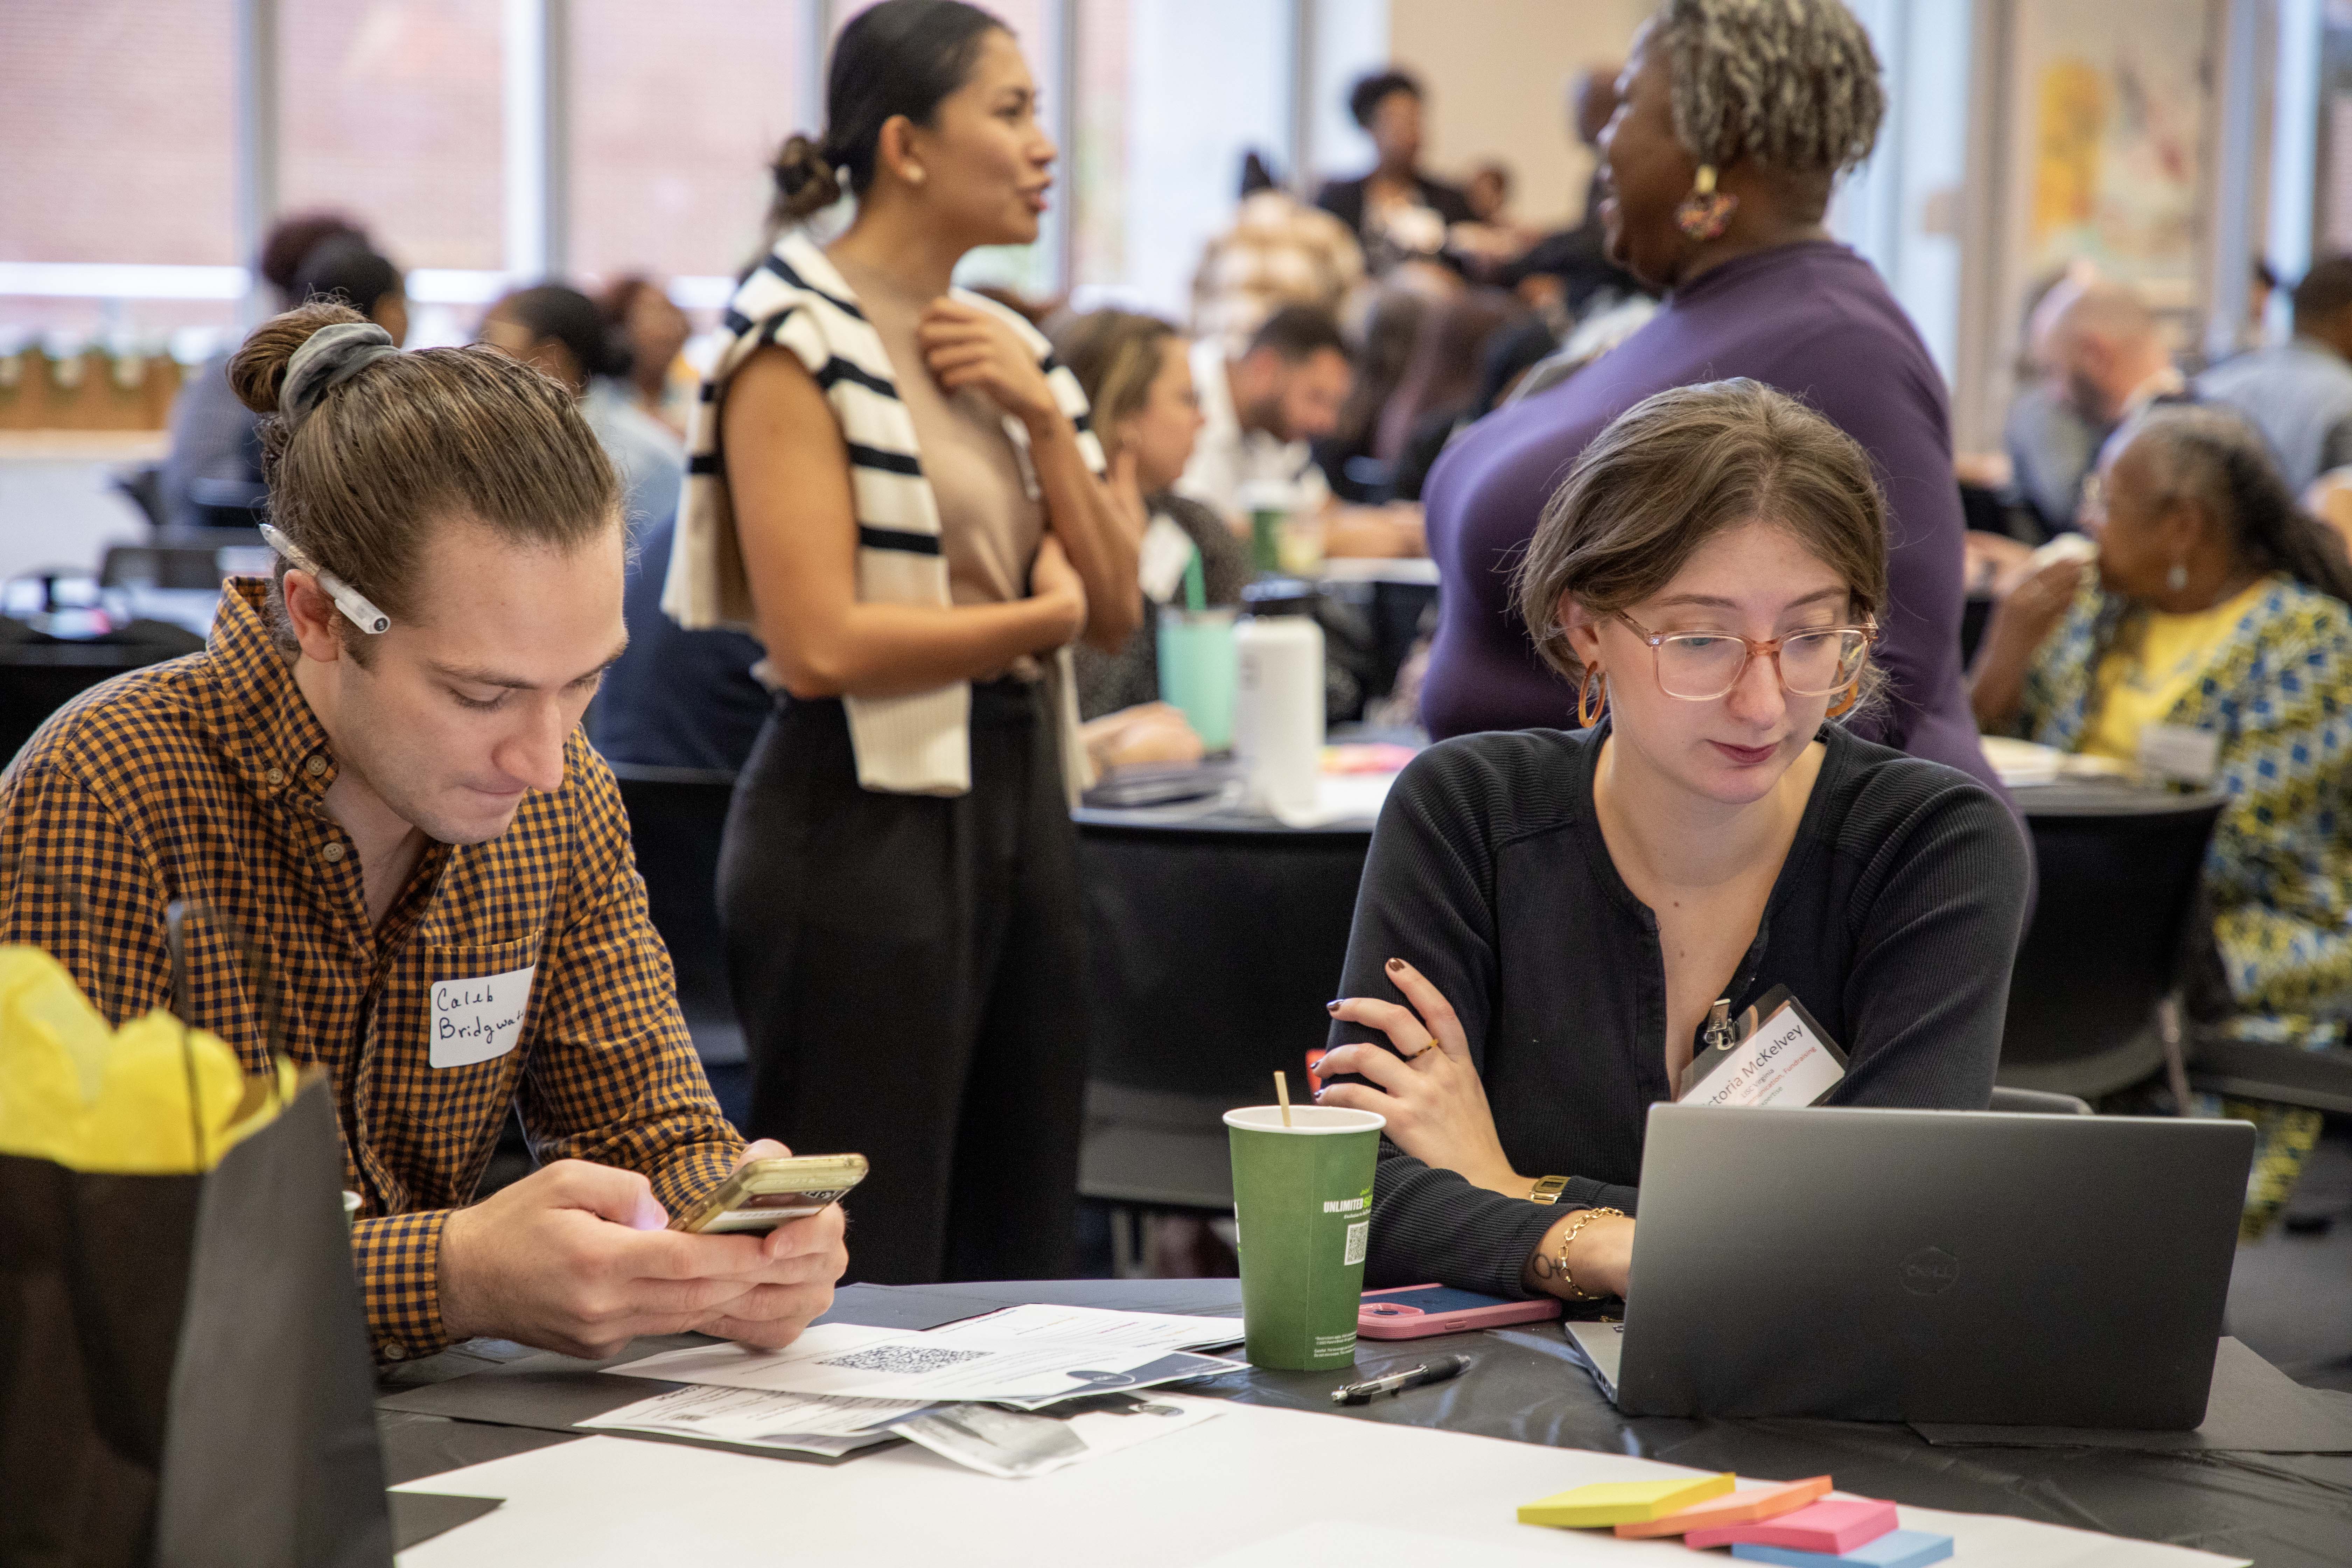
{"points": [[1895, 920]]}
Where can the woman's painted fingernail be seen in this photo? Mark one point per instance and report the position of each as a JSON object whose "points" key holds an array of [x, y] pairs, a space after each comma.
{"points": [[1395, 965], [1332, 1007]]}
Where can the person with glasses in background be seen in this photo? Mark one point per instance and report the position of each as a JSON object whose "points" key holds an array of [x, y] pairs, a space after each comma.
{"points": [[1549, 918], [2210, 642]]}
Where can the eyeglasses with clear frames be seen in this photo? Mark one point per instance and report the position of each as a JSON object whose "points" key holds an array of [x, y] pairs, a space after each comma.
{"points": [[1699, 666]]}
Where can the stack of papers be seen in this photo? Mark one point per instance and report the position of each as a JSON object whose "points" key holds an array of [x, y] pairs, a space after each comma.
{"points": [[843, 1386]]}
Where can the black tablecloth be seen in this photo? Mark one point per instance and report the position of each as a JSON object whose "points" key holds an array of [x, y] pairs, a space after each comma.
{"points": [[2283, 1510]]}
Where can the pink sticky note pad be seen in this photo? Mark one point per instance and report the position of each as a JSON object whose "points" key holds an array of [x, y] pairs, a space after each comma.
{"points": [[1734, 1508], [1834, 1526]]}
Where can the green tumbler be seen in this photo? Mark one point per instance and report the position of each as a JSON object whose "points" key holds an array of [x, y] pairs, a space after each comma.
{"points": [[1303, 1201]]}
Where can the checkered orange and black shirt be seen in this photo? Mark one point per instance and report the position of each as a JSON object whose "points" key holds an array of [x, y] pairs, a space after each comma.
{"points": [[204, 779]]}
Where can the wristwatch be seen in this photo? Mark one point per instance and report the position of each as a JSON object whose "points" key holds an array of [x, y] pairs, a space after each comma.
{"points": [[1547, 1191]]}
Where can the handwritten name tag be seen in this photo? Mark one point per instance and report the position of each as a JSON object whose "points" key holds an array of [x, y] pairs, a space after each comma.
{"points": [[475, 1020], [1785, 1060]]}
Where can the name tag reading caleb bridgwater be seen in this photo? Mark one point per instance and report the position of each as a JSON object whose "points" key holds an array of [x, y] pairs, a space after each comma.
{"points": [[1784, 1061], [475, 1020]]}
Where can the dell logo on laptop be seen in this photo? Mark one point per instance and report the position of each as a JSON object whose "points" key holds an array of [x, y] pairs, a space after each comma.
{"points": [[1931, 1271]]}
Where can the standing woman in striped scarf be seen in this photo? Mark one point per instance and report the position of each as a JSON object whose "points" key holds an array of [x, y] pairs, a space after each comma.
{"points": [[894, 486]]}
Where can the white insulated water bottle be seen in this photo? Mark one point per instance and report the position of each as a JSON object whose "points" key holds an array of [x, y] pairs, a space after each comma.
{"points": [[1278, 699]]}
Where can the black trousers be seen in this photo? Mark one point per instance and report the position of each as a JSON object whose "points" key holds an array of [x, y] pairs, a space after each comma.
{"points": [[910, 973]]}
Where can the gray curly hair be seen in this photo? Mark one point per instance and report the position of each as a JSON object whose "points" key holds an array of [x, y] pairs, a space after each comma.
{"points": [[1792, 84]]}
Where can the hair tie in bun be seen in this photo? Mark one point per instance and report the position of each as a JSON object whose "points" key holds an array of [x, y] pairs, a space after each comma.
{"points": [[327, 358], [805, 178]]}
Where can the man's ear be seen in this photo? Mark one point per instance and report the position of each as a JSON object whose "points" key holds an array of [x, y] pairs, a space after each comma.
{"points": [[312, 616]]}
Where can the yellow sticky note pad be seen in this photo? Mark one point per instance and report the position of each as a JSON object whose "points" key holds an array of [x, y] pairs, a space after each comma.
{"points": [[1604, 1503]]}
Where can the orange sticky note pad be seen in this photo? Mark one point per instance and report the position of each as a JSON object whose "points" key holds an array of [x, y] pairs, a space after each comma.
{"points": [[1735, 1508], [1604, 1503]]}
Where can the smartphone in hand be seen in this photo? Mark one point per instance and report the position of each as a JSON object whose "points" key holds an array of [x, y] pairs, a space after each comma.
{"points": [[765, 1194]]}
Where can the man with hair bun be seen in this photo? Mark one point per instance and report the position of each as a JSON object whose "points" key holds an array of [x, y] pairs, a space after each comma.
{"points": [[372, 783]]}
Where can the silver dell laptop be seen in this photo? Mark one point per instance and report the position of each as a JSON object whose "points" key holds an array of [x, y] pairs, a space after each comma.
{"points": [[1967, 1266]]}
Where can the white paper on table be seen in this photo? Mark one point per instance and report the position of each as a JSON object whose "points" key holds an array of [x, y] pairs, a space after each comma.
{"points": [[1346, 1543], [1098, 1325], [1341, 797], [798, 1422], [856, 1362], [1016, 1445], [610, 1502]]}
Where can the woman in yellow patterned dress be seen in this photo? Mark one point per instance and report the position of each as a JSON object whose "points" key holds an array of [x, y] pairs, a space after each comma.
{"points": [[2214, 638]]}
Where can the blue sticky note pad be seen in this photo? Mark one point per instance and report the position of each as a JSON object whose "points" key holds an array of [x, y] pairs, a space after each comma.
{"points": [[1896, 1548]]}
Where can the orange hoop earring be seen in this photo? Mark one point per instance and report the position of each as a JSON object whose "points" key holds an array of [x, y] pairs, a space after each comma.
{"points": [[1845, 704], [1591, 699]]}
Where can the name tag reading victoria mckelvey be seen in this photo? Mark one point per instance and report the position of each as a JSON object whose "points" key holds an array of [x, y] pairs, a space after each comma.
{"points": [[475, 1020], [1787, 1060]]}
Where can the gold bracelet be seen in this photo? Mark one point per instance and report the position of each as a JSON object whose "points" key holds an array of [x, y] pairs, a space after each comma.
{"points": [[1587, 1217]]}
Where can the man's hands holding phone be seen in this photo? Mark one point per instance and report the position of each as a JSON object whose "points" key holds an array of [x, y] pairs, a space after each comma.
{"points": [[575, 1257]]}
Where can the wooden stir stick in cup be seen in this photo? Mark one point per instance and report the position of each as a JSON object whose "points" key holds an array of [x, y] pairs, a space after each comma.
{"points": [[1282, 1093]]}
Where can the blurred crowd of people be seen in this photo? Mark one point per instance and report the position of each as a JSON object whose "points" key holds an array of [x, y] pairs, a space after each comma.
{"points": [[1399, 359]]}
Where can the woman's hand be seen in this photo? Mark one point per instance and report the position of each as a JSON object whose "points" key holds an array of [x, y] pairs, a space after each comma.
{"points": [[1599, 1260], [2031, 610], [1147, 733], [1435, 1102], [1054, 583], [967, 346], [2020, 625]]}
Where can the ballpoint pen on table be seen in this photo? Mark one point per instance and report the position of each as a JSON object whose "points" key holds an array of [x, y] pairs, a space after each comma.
{"points": [[1436, 1370]]}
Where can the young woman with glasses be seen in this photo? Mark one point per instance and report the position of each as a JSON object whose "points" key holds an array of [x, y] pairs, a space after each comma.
{"points": [[1548, 917]]}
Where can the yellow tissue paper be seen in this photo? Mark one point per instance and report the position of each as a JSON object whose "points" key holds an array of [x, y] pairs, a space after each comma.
{"points": [[1622, 1502], [81, 1095]]}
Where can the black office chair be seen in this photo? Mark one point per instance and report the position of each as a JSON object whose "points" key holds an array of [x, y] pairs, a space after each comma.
{"points": [[2285, 1075], [141, 485], [677, 818], [2091, 1002], [1210, 953], [161, 566], [40, 675]]}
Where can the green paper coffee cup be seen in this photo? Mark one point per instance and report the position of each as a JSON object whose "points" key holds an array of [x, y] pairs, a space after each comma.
{"points": [[1303, 1202]]}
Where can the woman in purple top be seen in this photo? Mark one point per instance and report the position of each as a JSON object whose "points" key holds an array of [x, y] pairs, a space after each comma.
{"points": [[1735, 121]]}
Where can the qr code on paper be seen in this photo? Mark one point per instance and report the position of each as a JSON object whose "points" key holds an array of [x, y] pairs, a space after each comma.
{"points": [[909, 1360], [1356, 1234]]}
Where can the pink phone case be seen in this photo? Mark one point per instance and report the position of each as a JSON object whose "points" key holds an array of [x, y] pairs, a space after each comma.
{"points": [[1380, 1318]]}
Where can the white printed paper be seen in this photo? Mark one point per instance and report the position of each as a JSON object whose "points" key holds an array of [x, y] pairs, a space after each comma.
{"points": [[1782, 1063], [1013, 1445], [852, 1360], [476, 1020], [2175, 752], [761, 1419], [1098, 1325]]}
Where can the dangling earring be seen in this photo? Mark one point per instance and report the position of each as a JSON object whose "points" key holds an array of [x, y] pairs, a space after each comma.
{"points": [[1707, 212], [1591, 699], [1845, 703], [2178, 578]]}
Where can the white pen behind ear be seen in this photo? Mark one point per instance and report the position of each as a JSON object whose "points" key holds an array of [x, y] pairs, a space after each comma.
{"points": [[348, 599]]}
